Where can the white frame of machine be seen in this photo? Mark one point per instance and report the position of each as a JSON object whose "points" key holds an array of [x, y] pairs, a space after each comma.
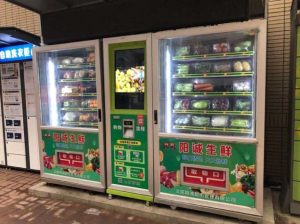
{"points": [[64, 180], [253, 214], [106, 43]]}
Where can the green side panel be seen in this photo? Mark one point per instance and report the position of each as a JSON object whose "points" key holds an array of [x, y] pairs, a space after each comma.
{"points": [[296, 191], [297, 114], [130, 195], [297, 125], [297, 94], [193, 169], [298, 38], [296, 171], [297, 105], [71, 154], [297, 150], [297, 83], [298, 68], [297, 135]]}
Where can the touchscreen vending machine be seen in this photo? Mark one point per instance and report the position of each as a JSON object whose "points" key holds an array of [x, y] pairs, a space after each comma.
{"points": [[209, 97], [70, 114], [127, 64]]}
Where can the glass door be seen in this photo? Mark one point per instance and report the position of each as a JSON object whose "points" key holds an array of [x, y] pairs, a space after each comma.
{"points": [[207, 84]]}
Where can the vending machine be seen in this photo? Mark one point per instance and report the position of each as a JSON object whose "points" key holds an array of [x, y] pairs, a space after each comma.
{"points": [[129, 153], [68, 80], [209, 99], [18, 147]]}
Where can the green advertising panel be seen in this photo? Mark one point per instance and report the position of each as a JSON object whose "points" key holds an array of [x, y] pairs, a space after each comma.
{"points": [[72, 154], [129, 150], [215, 171]]}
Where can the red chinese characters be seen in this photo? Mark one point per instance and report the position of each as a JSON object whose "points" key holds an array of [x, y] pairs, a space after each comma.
{"points": [[64, 138], [67, 159], [81, 139], [56, 137], [184, 147], [211, 150], [197, 148], [204, 177], [225, 150], [72, 138]]}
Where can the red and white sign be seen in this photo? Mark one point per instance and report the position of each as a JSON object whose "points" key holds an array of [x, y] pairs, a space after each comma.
{"points": [[72, 160], [140, 120], [204, 177]]}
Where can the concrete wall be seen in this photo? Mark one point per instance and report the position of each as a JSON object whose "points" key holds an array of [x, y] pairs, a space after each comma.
{"points": [[14, 16]]}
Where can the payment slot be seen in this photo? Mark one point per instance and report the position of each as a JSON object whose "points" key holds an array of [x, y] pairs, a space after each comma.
{"points": [[129, 117], [128, 128]]}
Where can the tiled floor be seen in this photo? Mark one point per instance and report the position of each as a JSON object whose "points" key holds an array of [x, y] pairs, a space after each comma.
{"points": [[17, 207]]}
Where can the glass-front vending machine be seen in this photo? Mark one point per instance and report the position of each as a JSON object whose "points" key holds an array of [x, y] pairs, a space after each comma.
{"points": [[129, 154], [70, 114], [209, 97]]}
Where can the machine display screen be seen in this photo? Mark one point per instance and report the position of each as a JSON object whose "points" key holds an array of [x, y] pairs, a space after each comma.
{"points": [[129, 78]]}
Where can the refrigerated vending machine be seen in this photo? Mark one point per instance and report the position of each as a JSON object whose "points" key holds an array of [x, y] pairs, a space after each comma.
{"points": [[19, 148], [70, 114], [127, 64], [209, 96]]}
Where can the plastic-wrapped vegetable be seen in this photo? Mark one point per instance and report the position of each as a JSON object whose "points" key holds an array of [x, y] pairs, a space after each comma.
{"points": [[222, 67], [200, 104], [243, 46], [203, 87], [73, 103], [200, 121], [182, 51], [219, 121], [184, 87], [242, 105], [240, 123], [71, 116], [183, 104], [182, 69], [241, 66], [220, 104], [201, 67], [221, 47], [201, 49], [182, 120], [241, 86]]}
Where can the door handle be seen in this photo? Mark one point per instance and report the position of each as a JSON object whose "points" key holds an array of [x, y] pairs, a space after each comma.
{"points": [[99, 115], [155, 116]]}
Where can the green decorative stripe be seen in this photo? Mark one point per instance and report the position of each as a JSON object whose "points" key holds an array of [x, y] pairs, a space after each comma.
{"points": [[215, 56], [77, 94], [79, 109], [248, 113], [76, 66], [77, 80], [209, 129], [73, 123], [129, 195], [211, 75], [212, 93]]}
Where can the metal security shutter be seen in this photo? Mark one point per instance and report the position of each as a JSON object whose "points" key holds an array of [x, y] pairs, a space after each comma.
{"points": [[277, 91]]}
